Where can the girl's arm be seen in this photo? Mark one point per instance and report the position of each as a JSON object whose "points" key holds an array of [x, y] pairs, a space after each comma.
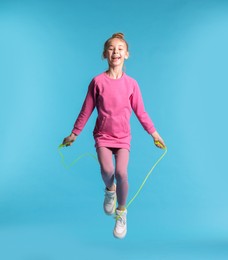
{"points": [[139, 110], [86, 111]]}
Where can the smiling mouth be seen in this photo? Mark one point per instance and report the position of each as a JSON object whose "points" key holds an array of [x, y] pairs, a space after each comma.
{"points": [[115, 58]]}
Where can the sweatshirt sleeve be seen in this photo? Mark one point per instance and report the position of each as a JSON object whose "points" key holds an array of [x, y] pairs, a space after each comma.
{"points": [[139, 110], [86, 110]]}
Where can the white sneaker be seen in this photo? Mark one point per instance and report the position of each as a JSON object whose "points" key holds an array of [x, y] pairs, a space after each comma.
{"points": [[109, 202], [120, 229]]}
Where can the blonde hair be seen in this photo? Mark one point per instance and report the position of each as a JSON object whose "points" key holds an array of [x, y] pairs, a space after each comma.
{"points": [[118, 35]]}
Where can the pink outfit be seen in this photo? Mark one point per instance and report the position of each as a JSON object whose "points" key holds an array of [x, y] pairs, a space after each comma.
{"points": [[114, 100]]}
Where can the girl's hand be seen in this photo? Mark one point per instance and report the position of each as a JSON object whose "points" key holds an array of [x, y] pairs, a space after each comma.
{"points": [[158, 141], [68, 141]]}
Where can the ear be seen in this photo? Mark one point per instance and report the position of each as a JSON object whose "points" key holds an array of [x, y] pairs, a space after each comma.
{"points": [[104, 55], [126, 55]]}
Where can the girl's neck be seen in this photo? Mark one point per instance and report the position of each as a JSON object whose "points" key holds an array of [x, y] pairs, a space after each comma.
{"points": [[114, 73]]}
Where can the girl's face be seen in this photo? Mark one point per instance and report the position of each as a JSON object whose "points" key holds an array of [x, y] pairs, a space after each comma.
{"points": [[116, 52]]}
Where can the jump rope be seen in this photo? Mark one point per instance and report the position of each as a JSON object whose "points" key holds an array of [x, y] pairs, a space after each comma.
{"points": [[95, 158]]}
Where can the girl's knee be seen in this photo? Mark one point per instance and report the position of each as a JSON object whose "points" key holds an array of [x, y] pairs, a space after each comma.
{"points": [[107, 171], [121, 176]]}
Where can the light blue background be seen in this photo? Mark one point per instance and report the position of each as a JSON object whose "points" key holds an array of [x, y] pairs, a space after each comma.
{"points": [[49, 52]]}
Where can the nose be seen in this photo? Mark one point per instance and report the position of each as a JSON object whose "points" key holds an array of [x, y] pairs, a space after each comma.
{"points": [[115, 50]]}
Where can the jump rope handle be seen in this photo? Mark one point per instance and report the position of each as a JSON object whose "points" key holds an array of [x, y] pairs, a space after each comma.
{"points": [[159, 144], [64, 145]]}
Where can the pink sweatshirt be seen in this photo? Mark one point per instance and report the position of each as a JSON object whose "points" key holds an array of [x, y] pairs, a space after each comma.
{"points": [[114, 100]]}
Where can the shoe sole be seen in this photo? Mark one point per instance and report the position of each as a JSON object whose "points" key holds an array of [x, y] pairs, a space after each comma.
{"points": [[119, 236]]}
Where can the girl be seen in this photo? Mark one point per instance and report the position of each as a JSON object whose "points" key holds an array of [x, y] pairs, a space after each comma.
{"points": [[115, 95]]}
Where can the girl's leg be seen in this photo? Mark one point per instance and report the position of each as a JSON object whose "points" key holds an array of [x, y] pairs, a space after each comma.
{"points": [[121, 174], [107, 168]]}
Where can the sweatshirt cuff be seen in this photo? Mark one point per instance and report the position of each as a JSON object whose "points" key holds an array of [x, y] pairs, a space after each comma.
{"points": [[151, 130], [76, 131]]}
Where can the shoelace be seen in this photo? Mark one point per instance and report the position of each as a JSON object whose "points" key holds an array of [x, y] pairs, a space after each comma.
{"points": [[120, 219]]}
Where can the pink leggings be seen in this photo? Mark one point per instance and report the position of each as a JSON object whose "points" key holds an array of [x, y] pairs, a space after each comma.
{"points": [[109, 172]]}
